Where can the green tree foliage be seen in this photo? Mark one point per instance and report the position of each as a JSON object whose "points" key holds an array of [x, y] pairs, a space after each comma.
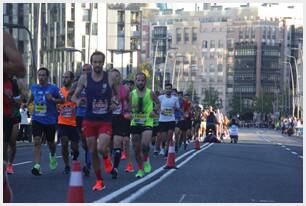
{"points": [[211, 98], [146, 68], [194, 93], [235, 105], [263, 103]]}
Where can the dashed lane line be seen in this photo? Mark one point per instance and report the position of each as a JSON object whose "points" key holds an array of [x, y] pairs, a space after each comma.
{"points": [[27, 162], [137, 182], [144, 189]]}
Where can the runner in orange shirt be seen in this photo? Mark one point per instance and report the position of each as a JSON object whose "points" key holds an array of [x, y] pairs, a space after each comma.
{"points": [[67, 130]]}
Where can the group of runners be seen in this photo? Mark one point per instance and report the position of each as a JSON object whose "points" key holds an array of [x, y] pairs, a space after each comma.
{"points": [[106, 114]]}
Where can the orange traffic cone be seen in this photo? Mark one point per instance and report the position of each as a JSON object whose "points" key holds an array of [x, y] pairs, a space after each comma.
{"points": [[197, 144], [76, 190], [171, 158]]}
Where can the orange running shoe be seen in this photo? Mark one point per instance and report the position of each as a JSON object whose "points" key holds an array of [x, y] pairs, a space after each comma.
{"points": [[129, 168], [123, 156], [98, 186], [108, 166], [9, 169]]}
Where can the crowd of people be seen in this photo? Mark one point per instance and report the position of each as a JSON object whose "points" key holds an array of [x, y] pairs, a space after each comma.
{"points": [[106, 115]]}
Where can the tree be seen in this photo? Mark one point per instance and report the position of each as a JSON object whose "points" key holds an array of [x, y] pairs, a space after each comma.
{"points": [[263, 103], [146, 68], [211, 98], [235, 105], [192, 93]]}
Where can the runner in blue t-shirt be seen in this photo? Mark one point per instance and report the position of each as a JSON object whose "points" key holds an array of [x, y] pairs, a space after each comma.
{"points": [[44, 117]]}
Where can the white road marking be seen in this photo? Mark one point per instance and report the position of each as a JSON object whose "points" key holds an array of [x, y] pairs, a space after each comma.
{"points": [[279, 143], [137, 182], [283, 146], [152, 184], [182, 198], [288, 149], [27, 162], [301, 157], [22, 163], [294, 153]]}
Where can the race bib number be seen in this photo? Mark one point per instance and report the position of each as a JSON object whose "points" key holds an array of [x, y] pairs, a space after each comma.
{"points": [[41, 109], [99, 106], [139, 118], [118, 109], [168, 112], [67, 111]]}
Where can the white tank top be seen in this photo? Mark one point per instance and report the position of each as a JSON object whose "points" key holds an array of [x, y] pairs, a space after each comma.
{"points": [[167, 108]]}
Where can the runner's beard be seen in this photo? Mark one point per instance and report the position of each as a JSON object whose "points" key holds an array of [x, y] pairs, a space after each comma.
{"points": [[98, 70], [140, 87]]}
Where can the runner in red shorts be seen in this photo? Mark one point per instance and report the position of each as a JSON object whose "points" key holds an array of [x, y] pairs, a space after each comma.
{"points": [[97, 123]]}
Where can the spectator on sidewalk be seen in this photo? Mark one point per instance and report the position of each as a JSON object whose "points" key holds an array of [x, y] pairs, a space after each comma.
{"points": [[24, 124]]}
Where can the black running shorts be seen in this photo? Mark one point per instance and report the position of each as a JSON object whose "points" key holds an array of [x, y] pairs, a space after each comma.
{"points": [[121, 126], [48, 129], [166, 126], [68, 131]]}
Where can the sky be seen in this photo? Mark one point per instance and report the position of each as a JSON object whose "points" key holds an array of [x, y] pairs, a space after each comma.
{"points": [[296, 13]]}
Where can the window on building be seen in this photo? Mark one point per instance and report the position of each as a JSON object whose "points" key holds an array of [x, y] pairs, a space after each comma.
{"points": [[94, 29], [253, 33], [194, 34], [186, 35], [220, 44], [211, 68], [121, 16], [264, 32], [269, 34], [212, 44], [204, 44], [240, 34], [95, 5], [72, 13], [220, 68], [178, 35], [87, 30], [86, 15], [83, 41], [83, 5]]}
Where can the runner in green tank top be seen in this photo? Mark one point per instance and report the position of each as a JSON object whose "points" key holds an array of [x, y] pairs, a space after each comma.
{"points": [[142, 100]]}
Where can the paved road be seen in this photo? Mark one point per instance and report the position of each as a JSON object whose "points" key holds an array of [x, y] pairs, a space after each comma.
{"points": [[263, 167]]}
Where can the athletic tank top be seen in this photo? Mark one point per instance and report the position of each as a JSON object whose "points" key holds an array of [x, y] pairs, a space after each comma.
{"points": [[67, 111], [119, 101], [99, 95], [141, 109]]}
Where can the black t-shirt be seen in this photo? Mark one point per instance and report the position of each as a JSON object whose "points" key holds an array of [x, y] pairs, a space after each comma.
{"points": [[211, 119]]}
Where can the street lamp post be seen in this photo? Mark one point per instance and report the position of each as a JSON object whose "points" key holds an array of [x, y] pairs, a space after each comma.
{"points": [[297, 84], [154, 63], [32, 47], [165, 66], [292, 84]]}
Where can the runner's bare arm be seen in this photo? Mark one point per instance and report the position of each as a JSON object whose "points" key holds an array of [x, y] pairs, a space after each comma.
{"points": [[72, 90], [156, 102], [128, 100], [12, 61], [78, 90]]}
